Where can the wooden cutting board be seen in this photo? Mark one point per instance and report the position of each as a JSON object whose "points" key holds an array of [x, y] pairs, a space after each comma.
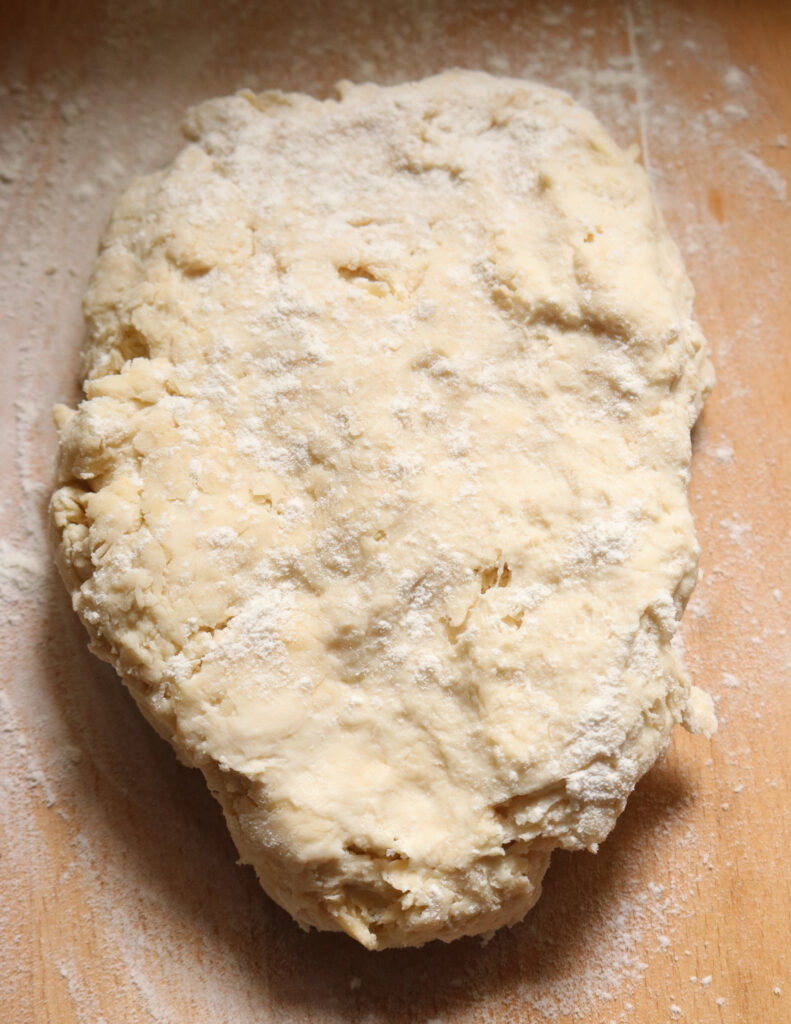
{"points": [[120, 898]]}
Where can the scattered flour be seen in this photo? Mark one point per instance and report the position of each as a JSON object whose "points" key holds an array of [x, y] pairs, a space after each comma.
{"points": [[734, 79], [723, 453], [21, 570], [736, 530], [736, 112], [89, 829], [768, 175]]}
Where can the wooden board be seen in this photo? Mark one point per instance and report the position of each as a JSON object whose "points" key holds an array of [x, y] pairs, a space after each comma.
{"points": [[120, 897]]}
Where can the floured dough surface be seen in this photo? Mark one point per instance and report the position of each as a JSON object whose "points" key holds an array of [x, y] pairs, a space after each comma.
{"points": [[376, 498]]}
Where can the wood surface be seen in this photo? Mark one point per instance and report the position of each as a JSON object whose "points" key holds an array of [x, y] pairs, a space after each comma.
{"points": [[121, 901]]}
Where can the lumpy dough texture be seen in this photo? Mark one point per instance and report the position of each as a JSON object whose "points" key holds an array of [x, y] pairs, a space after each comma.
{"points": [[376, 496]]}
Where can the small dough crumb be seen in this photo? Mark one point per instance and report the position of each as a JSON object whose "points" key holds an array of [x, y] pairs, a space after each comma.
{"points": [[699, 716]]}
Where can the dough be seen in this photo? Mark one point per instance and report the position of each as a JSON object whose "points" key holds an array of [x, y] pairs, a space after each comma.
{"points": [[376, 497]]}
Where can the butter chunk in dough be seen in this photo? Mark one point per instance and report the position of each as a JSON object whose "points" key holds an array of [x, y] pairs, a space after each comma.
{"points": [[376, 496]]}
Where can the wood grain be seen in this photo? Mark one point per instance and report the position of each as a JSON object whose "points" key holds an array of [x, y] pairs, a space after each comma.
{"points": [[121, 901]]}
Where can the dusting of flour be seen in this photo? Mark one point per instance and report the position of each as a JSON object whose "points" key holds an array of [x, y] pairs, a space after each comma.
{"points": [[112, 826]]}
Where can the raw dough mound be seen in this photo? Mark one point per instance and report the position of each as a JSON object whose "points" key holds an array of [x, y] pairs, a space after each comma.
{"points": [[376, 498]]}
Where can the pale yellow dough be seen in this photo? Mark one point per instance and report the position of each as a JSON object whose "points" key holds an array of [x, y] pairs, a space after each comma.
{"points": [[376, 498]]}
